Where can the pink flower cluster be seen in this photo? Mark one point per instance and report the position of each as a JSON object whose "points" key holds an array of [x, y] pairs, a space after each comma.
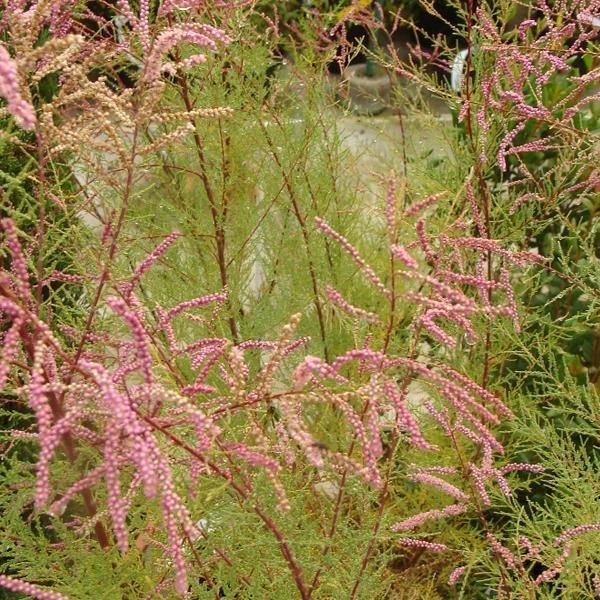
{"points": [[353, 253], [539, 54], [204, 36], [417, 543], [444, 295], [16, 585], [22, 111]]}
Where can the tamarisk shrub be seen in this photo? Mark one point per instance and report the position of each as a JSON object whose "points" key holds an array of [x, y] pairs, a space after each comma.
{"points": [[114, 399], [173, 456], [111, 396], [527, 120]]}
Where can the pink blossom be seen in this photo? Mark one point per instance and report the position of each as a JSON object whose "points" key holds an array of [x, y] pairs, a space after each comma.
{"points": [[412, 522], [524, 26], [521, 200], [18, 264], [195, 33], [38, 400], [422, 544], [474, 387], [353, 253], [512, 305], [535, 146], [89, 480], [440, 484], [522, 467], [569, 533], [532, 551], [254, 458], [10, 347], [22, 111], [556, 567], [436, 469], [456, 575], [510, 559], [336, 297], [139, 333], [424, 242], [506, 141], [479, 476], [403, 415], [483, 232], [428, 321], [488, 28], [152, 258], [123, 417], [464, 111], [16, 585], [404, 256], [201, 301]]}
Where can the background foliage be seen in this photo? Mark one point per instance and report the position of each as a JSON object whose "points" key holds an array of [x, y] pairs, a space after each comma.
{"points": [[244, 189]]}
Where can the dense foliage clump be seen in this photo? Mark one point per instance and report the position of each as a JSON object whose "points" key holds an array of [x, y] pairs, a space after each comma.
{"points": [[241, 356]]}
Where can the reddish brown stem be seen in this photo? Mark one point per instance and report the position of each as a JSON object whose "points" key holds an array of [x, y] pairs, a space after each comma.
{"points": [[294, 567], [112, 249], [218, 220], [305, 237]]}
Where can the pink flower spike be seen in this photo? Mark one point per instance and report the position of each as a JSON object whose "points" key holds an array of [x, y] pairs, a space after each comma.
{"points": [[337, 298], [512, 305], [38, 401], [428, 322], [353, 253], [524, 26], [195, 33], [475, 210], [139, 333], [404, 417], [20, 109], [416, 208], [422, 544], [10, 347], [440, 470], [424, 242], [201, 301], [19, 264], [254, 458], [556, 567], [198, 388], [535, 146], [464, 109], [401, 253], [505, 143], [522, 467], [90, 479], [440, 484], [532, 551], [510, 559], [16, 585], [412, 522], [478, 476], [296, 344], [569, 533], [456, 575], [152, 258]]}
